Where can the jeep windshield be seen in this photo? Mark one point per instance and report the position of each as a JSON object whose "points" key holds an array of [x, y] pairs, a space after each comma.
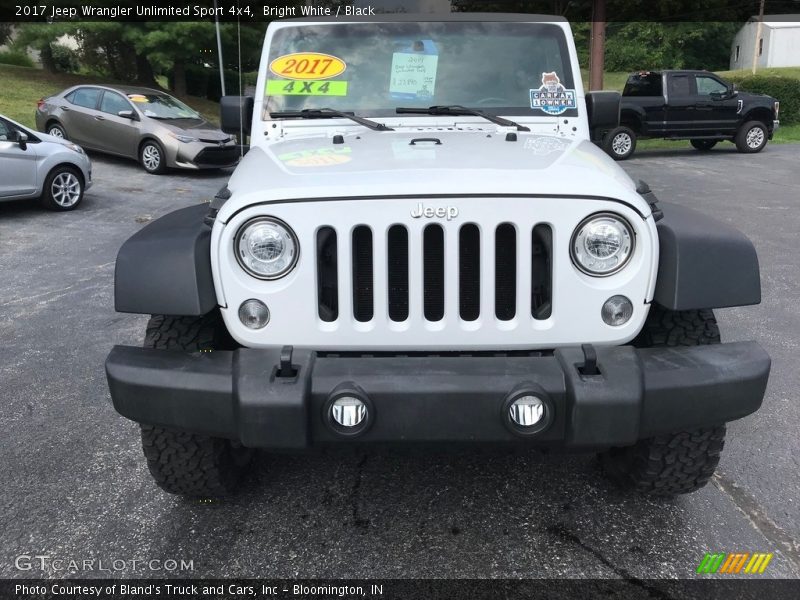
{"points": [[371, 69]]}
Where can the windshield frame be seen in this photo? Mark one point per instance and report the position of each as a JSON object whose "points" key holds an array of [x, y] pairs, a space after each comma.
{"points": [[522, 111]]}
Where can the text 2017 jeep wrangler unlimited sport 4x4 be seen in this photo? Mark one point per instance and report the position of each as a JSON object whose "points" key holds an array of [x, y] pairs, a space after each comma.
{"points": [[423, 244]]}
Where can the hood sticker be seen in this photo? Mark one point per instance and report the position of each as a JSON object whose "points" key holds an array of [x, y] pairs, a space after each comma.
{"points": [[552, 98], [319, 157], [413, 71], [306, 66], [284, 87]]}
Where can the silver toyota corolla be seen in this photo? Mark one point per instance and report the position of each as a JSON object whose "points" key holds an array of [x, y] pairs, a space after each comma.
{"points": [[140, 123], [36, 165]]}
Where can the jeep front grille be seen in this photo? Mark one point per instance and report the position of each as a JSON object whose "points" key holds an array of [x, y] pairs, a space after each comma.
{"points": [[391, 296]]}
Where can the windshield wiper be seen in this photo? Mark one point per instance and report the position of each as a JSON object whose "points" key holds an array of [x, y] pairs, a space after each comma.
{"points": [[329, 113], [456, 109]]}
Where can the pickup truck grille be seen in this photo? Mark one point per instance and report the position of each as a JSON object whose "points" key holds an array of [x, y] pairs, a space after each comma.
{"points": [[496, 249]]}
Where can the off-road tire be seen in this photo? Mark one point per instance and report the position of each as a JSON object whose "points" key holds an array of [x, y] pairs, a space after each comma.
{"points": [[743, 141], [703, 145], [667, 465], [615, 144], [185, 463], [682, 461]]}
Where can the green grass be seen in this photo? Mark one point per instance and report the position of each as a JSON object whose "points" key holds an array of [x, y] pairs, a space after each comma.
{"points": [[23, 86]]}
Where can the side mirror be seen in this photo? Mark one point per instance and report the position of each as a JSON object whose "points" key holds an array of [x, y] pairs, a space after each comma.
{"points": [[235, 114], [128, 114], [22, 140], [602, 109]]}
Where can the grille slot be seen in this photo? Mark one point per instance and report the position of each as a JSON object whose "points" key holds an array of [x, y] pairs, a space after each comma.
{"points": [[362, 274], [542, 272], [397, 275], [469, 272], [505, 272], [327, 275], [433, 272]]}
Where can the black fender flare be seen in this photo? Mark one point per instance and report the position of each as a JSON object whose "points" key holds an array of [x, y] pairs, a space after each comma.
{"points": [[632, 116], [165, 268], [703, 263]]}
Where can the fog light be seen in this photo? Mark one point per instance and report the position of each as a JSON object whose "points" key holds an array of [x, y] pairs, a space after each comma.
{"points": [[526, 411], [617, 311], [348, 411], [253, 314]]}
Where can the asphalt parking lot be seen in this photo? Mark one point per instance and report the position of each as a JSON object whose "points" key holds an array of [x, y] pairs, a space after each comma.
{"points": [[74, 483]]}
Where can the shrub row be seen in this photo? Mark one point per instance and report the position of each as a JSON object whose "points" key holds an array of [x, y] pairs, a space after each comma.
{"points": [[15, 57], [784, 89]]}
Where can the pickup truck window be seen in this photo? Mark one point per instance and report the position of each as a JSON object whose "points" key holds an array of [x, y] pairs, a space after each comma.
{"points": [[643, 84], [370, 69], [708, 85], [679, 86]]}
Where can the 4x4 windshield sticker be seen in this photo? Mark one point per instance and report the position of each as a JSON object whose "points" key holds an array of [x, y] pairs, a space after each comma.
{"points": [[413, 71], [552, 98], [289, 87], [307, 66]]}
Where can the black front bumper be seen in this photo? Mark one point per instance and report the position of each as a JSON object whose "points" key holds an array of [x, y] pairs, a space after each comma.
{"points": [[244, 394]]}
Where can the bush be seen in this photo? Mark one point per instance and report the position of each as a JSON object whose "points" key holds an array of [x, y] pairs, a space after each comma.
{"points": [[15, 57], [784, 89], [204, 82], [65, 59]]}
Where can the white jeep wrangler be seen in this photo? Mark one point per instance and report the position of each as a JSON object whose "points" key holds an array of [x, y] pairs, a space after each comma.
{"points": [[423, 244]]}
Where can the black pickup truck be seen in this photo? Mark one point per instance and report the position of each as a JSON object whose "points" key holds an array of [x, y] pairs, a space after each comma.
{"points": [[690, 105]]}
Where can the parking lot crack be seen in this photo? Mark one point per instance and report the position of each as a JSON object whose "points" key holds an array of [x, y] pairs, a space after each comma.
{"points": [[560, 531], [758, 518], [355, 495]]}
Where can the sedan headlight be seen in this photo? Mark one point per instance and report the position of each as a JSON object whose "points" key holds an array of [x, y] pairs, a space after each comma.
{"points": [[75, 148], [266, 248], [182, 138], [602, 244]]}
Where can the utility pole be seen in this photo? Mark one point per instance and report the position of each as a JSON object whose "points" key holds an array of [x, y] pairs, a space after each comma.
{"points": [[598, 45], [757, 43], [219, 52]]}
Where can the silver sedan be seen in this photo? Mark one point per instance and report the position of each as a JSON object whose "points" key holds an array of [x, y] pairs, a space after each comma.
{"points": [[37, 165], [148, 125]]}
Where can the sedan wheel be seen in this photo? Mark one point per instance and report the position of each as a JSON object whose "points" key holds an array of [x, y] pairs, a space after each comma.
{"points": [[63, 189], [152, 158], [57, 131]]}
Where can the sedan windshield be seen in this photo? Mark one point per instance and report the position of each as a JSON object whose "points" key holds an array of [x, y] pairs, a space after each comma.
{"points": [[370, 69], [162, 106]]}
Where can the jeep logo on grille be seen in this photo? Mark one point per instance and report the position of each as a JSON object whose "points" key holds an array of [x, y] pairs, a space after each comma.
{"points": [[430, 212]]}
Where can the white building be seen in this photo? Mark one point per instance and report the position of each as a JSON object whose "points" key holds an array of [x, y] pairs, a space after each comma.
{"points": [[778, 44]]}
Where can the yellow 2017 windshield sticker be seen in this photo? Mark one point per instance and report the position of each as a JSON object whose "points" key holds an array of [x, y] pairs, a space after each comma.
{"points": [[288, 87], [306, 66]]}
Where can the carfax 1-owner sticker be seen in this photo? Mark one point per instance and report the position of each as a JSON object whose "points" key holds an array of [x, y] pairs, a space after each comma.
{"points": [[552, 98]]}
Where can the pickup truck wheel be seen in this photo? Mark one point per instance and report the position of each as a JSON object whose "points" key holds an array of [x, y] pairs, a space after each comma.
{"points": [[751, 137], [185, 463], [620, 143], [679, 462], [703, 145]]}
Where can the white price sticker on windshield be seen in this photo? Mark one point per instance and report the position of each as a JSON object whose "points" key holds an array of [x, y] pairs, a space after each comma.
{"points": [[413, 74]]}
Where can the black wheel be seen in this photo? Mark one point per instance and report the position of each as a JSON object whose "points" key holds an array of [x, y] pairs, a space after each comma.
{"points": [[185, 463], [620, 143], [679, 462], [152, 158], [703, 145], [751, 137], [63, 189], [57, 130]]}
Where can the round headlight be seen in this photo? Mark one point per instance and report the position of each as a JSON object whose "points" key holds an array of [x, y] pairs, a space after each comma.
{"points": [[266, 248], [602, 244]]}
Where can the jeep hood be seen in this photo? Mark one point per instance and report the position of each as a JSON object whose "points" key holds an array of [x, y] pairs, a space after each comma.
{"points": [[426, 162]]}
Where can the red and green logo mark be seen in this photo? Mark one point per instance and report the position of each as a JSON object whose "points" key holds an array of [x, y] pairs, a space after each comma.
{"points": [[734, 563]]}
